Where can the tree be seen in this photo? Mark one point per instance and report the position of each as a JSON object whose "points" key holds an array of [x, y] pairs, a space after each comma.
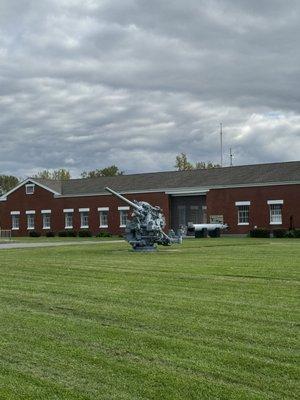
{"points": [[112, 170], [7, 182], [182, 164], [208, 165], [57, 174]]}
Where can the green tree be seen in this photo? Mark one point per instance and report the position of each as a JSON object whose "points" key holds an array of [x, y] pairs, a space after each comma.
{"points": [[112, 170], [7, 182], [208, 165], [57, 174], [182, 163]]}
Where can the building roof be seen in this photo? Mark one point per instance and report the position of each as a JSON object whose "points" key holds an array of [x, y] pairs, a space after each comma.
{"points": [[256, 174]]}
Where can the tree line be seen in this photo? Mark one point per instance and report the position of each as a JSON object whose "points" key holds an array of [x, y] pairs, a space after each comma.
{"points": [[8, 182]]}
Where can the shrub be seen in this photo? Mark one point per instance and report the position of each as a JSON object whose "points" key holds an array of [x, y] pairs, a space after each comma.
{"points": [[50, 234], [104, 234], [62, 234], [260, 233], [34, 234], [215, 233], [290, 234], [297, 233], [279, 233], [84, 233], [71, 233]]}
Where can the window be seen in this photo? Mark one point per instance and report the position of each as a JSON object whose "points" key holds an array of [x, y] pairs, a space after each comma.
{"points": [[243, 215], [68, 217], [123, 218], [84, 219], [243, 212], [276, 214], [30, 221], [103, 217], [29, 188], [15, 220], [46, 221], [123, 215], [275, 207]]}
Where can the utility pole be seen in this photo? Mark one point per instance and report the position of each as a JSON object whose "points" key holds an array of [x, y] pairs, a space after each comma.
{"points": [[221, 142], [231, 157]]}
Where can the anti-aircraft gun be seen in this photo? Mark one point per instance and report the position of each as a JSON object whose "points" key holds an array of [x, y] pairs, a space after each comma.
{"points": [[145, 228]]}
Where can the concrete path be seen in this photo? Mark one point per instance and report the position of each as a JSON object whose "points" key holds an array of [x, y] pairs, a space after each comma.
{"points": [[16, 245]]}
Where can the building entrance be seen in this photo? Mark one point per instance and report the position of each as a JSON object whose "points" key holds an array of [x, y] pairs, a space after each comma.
{"points": [[185, 209]]}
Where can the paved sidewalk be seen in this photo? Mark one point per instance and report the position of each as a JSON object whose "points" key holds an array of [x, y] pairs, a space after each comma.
{"points": [[15, 245]]}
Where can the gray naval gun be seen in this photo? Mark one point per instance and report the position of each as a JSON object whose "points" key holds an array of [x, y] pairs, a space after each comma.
{"points": [[145, 228]]}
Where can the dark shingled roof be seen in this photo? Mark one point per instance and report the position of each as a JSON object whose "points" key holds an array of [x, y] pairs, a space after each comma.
{"points": [[217, 177], [50, 183]]}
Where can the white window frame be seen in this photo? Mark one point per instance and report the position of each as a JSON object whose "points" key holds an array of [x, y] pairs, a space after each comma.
{"points": [[29, 186], [241, 207], [67, 212], [15, 216], [46, 217], [103, 210], [30, 220], [121, 212], [84, 216], [275, 217]]}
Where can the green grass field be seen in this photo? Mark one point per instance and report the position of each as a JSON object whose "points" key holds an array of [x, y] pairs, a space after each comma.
{"points": [[212, 319]]}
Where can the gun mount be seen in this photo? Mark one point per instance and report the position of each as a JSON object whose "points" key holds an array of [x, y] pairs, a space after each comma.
{"points": [[145, 228]]}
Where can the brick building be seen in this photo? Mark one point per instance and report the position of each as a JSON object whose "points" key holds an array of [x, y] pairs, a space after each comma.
{"points": [[244, 197]]}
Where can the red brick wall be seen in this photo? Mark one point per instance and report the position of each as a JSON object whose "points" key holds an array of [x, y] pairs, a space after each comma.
{"points": [[222, 202], [219, 201], [43, 199]]}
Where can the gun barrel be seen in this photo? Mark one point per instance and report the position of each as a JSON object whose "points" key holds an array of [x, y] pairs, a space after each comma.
{"points": [[122, 198]]}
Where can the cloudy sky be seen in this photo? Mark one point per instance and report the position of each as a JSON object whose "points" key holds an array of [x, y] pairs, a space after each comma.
{"points": [[89, 83]]}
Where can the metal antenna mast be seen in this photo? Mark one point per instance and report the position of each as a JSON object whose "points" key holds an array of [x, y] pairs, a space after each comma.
{"points": [[221, 143], [231, 157]]}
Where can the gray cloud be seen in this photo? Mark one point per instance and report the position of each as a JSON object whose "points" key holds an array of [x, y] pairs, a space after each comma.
{"points": [[84, 84]]}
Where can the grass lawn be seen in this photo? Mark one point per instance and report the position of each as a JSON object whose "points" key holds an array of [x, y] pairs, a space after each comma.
{"points": [[212, 319]]}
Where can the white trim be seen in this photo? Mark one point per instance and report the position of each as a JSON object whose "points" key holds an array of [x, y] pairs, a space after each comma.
{"points": [[30, 212], [83, 209], [242, 203], [30, 180], [275, 202], [103, 226], [243, 223], [275, 223], [84, 226], [68, 210], [69, 227], [189, 192], [122, 226], [15, 229], [103, 208], [15, 213], [45, 211], [30, 229], [123, 208]]}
